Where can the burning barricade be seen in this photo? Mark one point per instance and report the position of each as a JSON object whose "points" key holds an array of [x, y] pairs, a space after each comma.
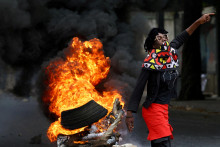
{"points": [[85, 116], [92, 136]]}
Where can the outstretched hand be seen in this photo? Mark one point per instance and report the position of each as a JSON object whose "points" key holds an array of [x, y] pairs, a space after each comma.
{"points": [[205, 18]]}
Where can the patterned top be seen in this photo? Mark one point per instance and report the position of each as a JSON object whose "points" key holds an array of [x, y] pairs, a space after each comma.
{"points": [[162, 59]]}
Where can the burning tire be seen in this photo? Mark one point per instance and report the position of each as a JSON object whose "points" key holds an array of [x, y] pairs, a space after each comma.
{"points": [[83, 116]]}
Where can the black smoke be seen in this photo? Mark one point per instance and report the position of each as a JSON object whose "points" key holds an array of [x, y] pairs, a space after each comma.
{"points": [[34, 31]]}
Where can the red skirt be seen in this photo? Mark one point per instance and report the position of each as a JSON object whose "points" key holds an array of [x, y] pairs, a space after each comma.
{"points": [[156, 118]]}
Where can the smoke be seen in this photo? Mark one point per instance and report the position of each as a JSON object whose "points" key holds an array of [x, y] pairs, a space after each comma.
{"points": [[94, 23], [13, 15], [128, 53], [34, 31]]}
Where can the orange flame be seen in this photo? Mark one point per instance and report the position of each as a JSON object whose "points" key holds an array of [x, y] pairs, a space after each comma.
{"points": [[72, 80]]}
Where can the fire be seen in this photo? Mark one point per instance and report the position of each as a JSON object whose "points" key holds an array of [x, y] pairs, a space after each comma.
{"points": [[71, 81]]}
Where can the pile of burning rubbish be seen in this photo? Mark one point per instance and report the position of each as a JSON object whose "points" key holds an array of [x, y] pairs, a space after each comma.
{"points": [[85, 116]]}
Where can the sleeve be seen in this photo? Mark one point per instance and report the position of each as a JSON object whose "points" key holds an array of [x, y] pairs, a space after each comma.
{"points": [[179, 40], [138, 91]]}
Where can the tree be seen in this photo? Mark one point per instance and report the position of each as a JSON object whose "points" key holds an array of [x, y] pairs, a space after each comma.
{"points": [[191, 62]]}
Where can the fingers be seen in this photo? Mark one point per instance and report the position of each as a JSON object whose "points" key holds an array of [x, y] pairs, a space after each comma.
{"points": [[130, 128], [211, 14], [130, 124], [206, 17]]}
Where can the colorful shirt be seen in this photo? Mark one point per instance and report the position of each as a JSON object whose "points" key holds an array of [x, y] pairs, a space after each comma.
{"points": [[161, 59], [157, 89]]}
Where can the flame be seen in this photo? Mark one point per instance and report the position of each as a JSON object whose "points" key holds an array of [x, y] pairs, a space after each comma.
{"points": [[71, 82], [80, 142]]}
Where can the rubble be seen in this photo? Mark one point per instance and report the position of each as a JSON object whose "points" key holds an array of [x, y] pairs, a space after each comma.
{"points": [[94, 138]]}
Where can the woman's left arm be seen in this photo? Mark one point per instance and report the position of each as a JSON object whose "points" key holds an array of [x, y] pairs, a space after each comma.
{"points": [[181, 38], [203, 19]]}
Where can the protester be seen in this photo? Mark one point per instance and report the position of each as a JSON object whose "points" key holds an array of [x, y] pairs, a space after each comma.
{"points": [[159, 71]]}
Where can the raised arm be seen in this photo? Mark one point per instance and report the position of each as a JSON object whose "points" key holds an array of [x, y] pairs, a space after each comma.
{"points": [[203, 19], [181, 38]]}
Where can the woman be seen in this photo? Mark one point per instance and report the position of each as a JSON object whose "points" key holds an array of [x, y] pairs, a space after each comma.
{"points": [[159, 71]]}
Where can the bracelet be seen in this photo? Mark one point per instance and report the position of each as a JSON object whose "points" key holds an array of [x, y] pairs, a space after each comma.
{"points": [[129, 116]]}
